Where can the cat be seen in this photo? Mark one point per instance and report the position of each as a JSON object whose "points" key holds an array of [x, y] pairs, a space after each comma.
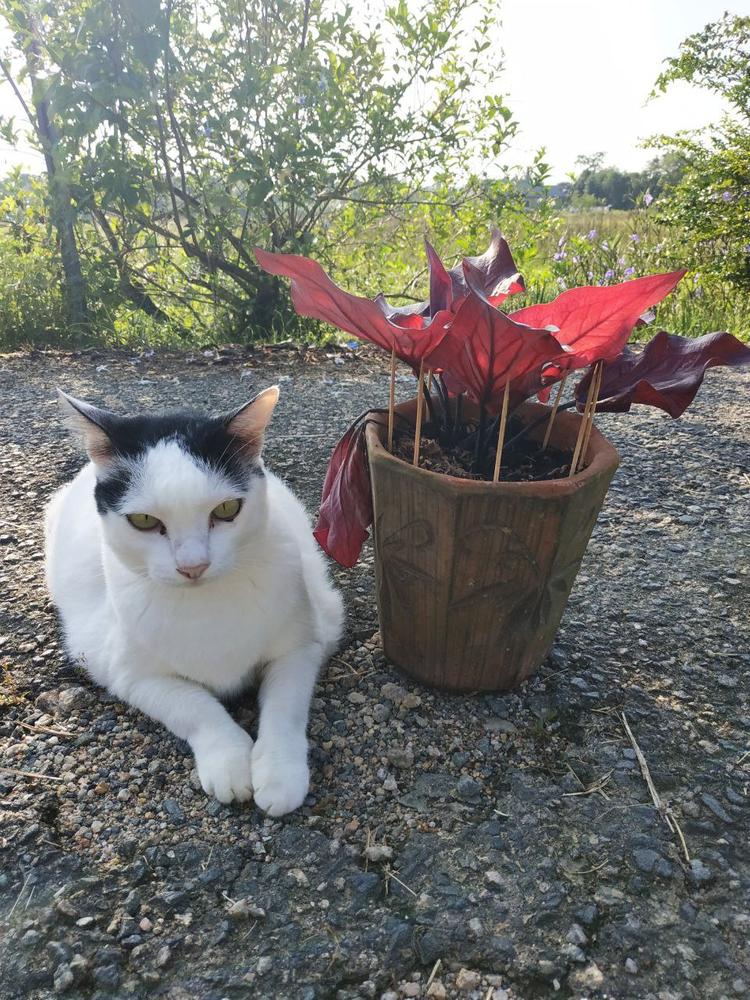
{"points": [[182, 571]]}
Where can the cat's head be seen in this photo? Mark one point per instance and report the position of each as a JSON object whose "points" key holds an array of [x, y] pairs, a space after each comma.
{"points": [[180, 495]]}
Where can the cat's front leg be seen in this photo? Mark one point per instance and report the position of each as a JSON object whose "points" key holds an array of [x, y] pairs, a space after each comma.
{"points": [[281, 776], [222, 748]]}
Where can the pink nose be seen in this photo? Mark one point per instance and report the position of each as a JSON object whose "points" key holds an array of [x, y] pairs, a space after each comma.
{"points": [[193, 572]]}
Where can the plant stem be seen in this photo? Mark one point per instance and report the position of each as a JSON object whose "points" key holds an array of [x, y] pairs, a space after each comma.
{"points": [[480, 434]]}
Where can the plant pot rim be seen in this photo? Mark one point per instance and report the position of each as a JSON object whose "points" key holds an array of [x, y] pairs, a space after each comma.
{"points": [[602, 456]]}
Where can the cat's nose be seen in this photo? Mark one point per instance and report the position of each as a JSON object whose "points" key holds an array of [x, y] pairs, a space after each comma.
{"points": [[193, 572]]}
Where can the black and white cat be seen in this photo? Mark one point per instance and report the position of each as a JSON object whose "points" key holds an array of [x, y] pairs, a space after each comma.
{"points": [[183, 570]]}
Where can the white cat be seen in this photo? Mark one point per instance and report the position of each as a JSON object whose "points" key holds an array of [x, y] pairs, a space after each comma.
{"points": [[183, 570]]}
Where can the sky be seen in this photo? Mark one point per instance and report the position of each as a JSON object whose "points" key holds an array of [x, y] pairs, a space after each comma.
{"points": [[577, 77], [578, 74]]}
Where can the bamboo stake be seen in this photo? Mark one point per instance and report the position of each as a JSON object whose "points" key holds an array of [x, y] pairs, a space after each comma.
{"points": [[582, 427], [552, 415], [391, 399], [501, 435], [420, 407], [592, 411]]}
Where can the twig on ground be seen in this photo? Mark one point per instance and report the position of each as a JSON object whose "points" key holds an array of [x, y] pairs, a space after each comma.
{"points": [[29, 774], [18, 897], [43, 729], [388, 872], [435, 970], [661, 807]]}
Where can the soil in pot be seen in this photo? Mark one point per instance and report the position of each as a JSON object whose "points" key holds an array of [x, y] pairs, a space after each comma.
{"points": [[523, 461]]}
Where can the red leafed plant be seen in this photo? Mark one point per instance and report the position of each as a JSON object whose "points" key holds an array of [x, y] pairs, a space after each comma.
{"points": [[474, 349]]}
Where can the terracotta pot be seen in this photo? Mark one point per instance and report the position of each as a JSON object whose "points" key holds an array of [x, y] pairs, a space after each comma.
{"points": [[473, 577]]}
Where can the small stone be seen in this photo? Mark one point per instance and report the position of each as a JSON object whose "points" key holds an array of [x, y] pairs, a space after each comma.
{"points": [[390, 784], [66, 910], [401, 757], [500, 726], [97, 826], [265, 964], [436, 990], [85, 922], [299, 876], [590, 978], [72, 700], [239, 910], [145, 925], [132, 902], [79, 966], [381, 713], [63, 978], [645, 859], [411, 989], [411, 700], [357, 698], [716, 808], [577, 935], [468, 789], [378, 852], [107, 976], [631, 966], [393, 692], [701, 874], [173, 809], [467, 981], [163, 956], [493, 878]]}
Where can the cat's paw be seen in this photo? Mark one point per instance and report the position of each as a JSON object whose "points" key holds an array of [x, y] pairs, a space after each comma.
{"points": [[281, 778], [225, 767]]}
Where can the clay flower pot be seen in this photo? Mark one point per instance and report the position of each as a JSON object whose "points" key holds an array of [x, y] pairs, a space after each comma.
{"points": [[473, 577]]}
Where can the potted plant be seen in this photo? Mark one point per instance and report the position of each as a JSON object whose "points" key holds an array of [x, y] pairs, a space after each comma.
{"points": [[482, 501]]}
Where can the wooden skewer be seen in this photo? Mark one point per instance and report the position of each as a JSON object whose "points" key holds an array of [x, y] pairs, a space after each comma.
{"points": [[582, 427], [391, 399], [420, 407], [501, 435], [592, 411], [552, 415]]}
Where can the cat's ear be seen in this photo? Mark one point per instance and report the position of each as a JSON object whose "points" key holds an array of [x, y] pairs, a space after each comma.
{"points": [[89, 423], [249, 423]]}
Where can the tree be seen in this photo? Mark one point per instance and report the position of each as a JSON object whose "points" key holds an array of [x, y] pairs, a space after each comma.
{"points": [[188, 140], [709, 207]]}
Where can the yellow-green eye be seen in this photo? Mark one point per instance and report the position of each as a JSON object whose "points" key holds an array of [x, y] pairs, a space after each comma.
{"points": [[144, 522], [227, 511]]}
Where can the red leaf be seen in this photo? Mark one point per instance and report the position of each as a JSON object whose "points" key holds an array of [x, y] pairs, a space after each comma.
{"points": [[441, 286], [494, 273], [314, 294], [484, 349], [666, 374], [595, 322], [346, 504]]}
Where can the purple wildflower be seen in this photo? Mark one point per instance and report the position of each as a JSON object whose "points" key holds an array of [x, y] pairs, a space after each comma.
{"points": [[609, 274], [605, 245], [591, 235], [561, 242], [647, 198], [727, 195], [635, 238], [561, 283], [628, 271], [560, 255]]}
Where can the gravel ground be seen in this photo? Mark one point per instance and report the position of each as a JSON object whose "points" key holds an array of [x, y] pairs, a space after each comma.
{"points": [[485, 846]]}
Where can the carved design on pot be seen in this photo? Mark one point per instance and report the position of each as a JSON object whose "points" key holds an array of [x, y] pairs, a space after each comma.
{"points": [[402, 584]]}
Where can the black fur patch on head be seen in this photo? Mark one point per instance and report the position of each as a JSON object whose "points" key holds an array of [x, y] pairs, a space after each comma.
{"points": [[205, 438]]}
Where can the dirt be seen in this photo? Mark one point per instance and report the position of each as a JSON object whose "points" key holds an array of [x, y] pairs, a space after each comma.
{"points": [[502, 846], [523, 461]]}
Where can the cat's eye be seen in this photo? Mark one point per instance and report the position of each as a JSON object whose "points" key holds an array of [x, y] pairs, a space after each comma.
{"points": [[227, 510], [144, 522]]}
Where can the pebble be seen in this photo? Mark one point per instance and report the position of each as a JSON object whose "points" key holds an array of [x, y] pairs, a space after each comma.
{"points": [[72, 700], [468, 788], [63, 978], [700, 873], [436, 990], [173, 809], [400, 757], [631, 966], [378, 852], [716, 808], [467, 981]]}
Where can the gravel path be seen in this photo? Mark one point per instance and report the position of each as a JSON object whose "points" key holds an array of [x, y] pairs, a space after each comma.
{"points": [[511, 839]]}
